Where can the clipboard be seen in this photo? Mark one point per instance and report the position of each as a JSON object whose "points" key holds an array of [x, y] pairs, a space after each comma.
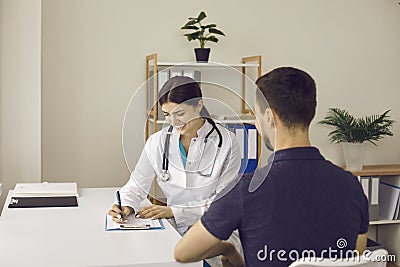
{"points": [[135, 224], [43, 202]]}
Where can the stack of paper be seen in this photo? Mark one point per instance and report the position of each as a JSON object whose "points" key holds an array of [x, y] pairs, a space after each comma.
{"points": [[45, 190]]}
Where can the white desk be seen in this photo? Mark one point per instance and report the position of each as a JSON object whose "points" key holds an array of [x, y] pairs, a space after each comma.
{"points": [[76, 237]]}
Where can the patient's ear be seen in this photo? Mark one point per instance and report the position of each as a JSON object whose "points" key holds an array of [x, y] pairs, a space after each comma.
{"points": [[271, 116], [200, 104]]}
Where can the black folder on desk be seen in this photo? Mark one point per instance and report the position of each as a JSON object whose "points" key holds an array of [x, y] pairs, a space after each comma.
{"points": [[43, 202]]}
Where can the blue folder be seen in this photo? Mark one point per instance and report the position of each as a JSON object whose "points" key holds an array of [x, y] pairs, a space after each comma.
{"points": [[249, 145]]}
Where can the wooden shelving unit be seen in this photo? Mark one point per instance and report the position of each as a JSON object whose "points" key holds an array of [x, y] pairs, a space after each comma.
{"points": [[387, 232], [153, 66], [378, 170]]}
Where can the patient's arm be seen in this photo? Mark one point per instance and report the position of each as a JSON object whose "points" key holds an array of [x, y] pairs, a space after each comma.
{"points": [[361, 243], [198, 244]]}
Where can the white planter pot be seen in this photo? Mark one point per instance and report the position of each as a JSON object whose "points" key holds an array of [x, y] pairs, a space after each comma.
{"points": [[354, 156]]}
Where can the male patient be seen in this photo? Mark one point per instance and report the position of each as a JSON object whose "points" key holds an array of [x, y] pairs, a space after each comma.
{"points": [[298, 205]]}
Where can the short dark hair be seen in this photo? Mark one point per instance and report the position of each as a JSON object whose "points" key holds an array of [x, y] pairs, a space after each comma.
{"points": [[182, 89], [291, 93]]}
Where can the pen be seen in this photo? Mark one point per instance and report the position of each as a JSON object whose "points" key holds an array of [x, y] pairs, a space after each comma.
{"points": [[121, 217]]}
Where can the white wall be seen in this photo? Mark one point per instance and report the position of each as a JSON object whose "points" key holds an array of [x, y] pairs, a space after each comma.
{"points": [[93, 61], [20, 86]]}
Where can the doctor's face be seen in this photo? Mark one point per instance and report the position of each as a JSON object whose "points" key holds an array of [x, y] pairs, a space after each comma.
{"points": [[181, 116]]}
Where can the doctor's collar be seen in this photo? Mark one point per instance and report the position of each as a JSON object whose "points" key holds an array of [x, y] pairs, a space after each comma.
{"points": [[204, 129]]}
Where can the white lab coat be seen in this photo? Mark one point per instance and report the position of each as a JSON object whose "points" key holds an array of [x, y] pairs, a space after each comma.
{"points": [[188, 193]]}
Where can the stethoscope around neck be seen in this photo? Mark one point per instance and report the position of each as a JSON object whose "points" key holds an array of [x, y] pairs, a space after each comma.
{"points": [[164, 176]]}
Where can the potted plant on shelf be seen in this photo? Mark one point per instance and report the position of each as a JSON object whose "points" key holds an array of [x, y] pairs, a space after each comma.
{"points": [[202, 33], [353, 132]]}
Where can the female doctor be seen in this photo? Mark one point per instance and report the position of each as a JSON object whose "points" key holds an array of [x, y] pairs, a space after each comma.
{"points": [[192, 160]]}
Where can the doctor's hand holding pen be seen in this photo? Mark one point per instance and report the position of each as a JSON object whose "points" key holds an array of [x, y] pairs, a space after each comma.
{"points": [[119, 214]]}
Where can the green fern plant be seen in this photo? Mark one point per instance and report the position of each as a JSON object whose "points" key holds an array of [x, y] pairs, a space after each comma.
{"points": [[357, 130]]}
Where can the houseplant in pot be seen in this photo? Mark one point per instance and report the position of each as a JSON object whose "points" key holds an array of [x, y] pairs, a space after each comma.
{"points": [[353, 132], [202, 33]]}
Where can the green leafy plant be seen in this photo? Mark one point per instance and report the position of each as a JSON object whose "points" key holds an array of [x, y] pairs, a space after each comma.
{"points": [[357, 130], [202, 33]]}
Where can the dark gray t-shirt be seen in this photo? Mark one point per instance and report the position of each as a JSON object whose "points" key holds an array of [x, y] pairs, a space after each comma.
{"points": [[304, 204]]}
